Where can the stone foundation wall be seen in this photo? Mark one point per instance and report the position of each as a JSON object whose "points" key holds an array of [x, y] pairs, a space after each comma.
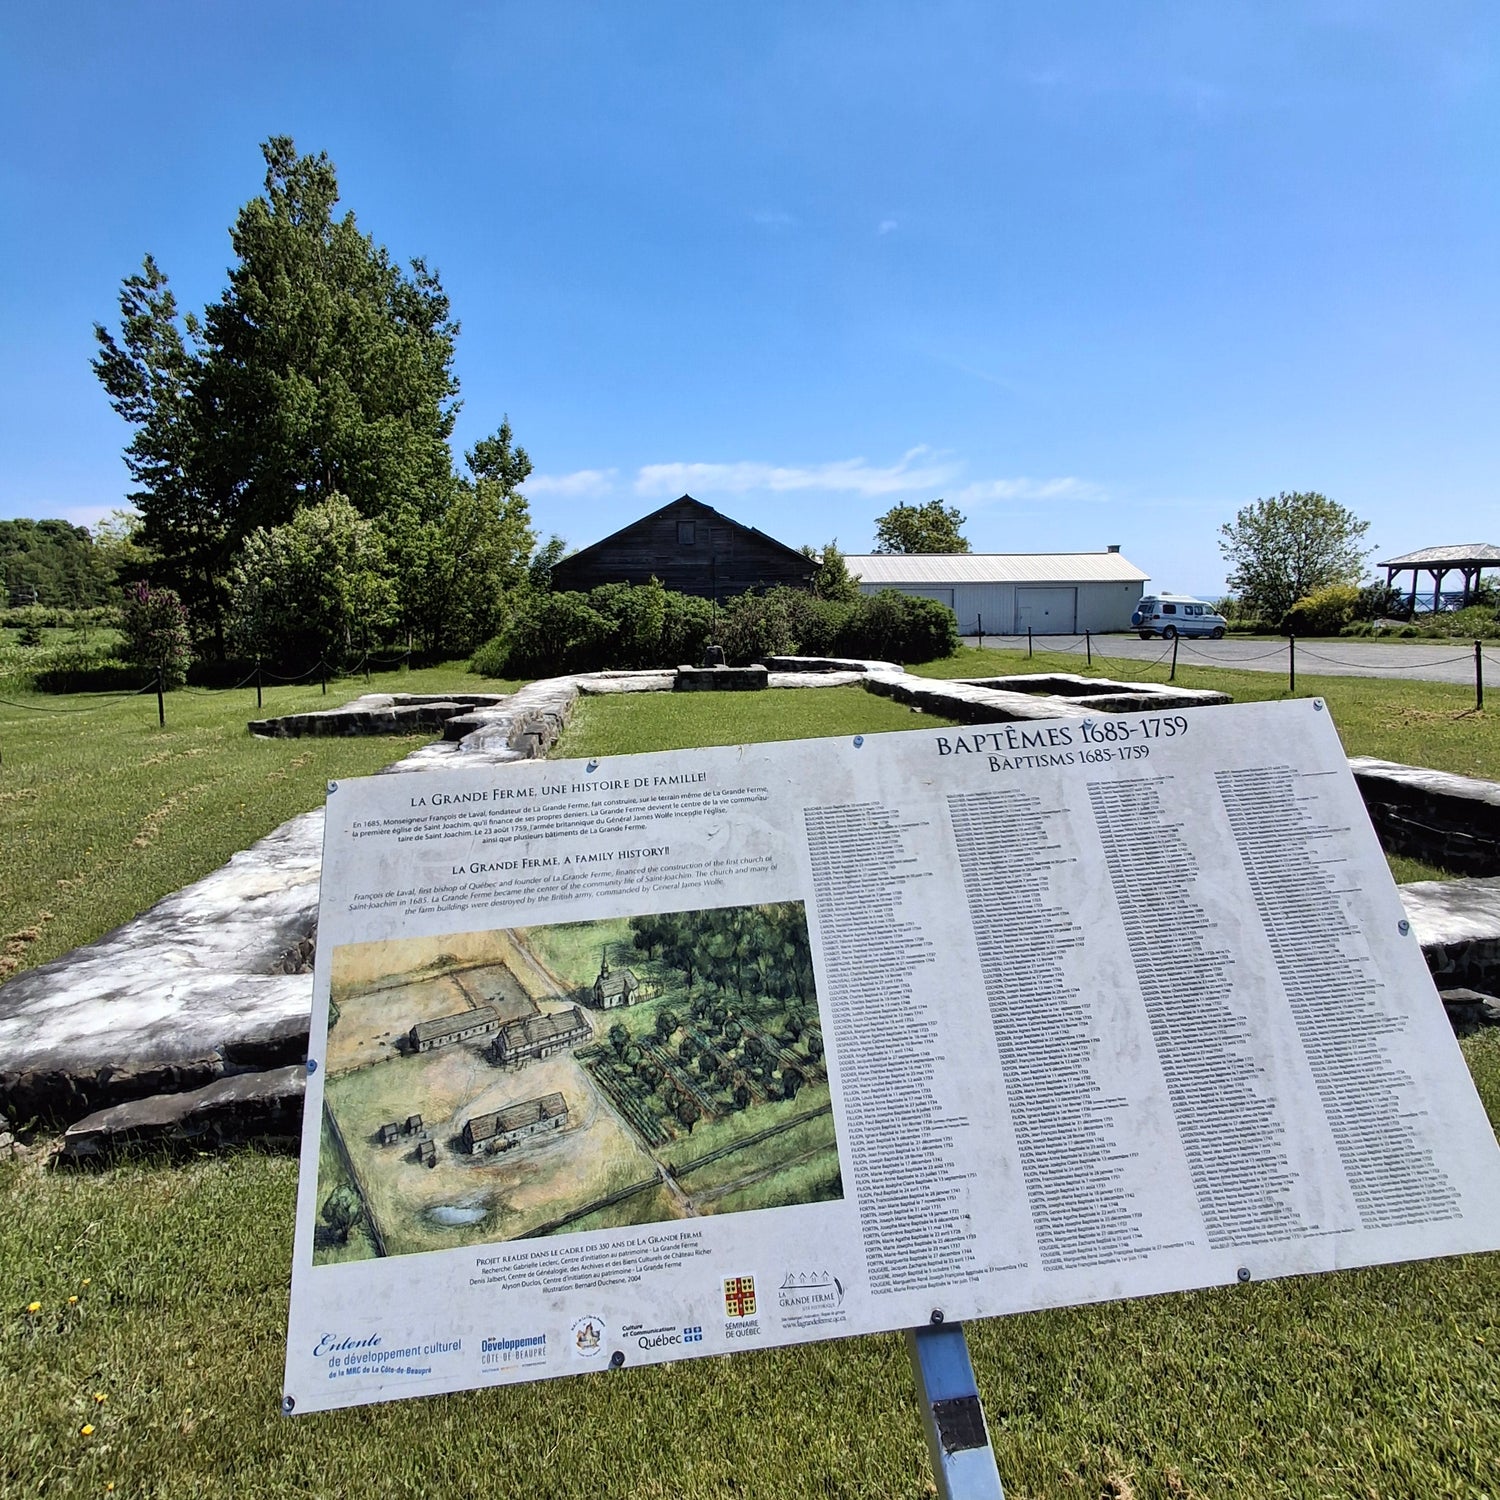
{"points": [[1449, 821]]}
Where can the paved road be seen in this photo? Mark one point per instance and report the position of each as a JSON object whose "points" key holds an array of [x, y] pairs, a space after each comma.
{"points": [[1440, 661]]}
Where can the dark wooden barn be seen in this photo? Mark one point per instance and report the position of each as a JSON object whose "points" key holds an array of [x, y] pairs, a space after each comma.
{"points": [[691, 548]]}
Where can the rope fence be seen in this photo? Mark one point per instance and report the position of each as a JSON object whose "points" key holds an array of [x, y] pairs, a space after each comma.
{"points": [[110, 701], [259, 675], [1065, 648]]}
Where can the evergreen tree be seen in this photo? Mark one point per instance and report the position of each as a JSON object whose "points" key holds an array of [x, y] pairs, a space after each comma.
{"points": [[328, 367], [153, 376], [324, 368]]}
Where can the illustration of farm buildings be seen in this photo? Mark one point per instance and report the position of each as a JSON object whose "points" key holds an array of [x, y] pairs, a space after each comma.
{"points": [[614, 987], [481, 1020], [502, 1128], [539, 1036]]}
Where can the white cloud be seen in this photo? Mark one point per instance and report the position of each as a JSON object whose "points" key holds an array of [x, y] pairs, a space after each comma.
{"points": [[991, 491], [581, 484], [919, 473], [848, 475], [773, 218], [886, 225]]}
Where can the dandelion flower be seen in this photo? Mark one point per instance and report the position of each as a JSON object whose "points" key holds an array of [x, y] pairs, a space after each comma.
{"points": [[84, 1282], [87, 1429], [72, 1301], [33, 1307], [100, 1398]]}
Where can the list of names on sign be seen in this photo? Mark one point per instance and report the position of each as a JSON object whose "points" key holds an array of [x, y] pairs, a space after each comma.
{"points": [[631, 1060]]}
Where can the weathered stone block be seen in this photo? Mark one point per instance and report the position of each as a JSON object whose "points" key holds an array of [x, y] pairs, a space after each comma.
{"points": [[1449, 821], [1457, 923], [1470, 1011], [264, 1107], [719, 679]]}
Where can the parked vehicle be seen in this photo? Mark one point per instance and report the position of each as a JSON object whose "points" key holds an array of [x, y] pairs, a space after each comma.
{"points": [[1171, 615]]}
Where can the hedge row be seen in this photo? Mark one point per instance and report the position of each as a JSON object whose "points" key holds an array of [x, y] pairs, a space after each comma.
{"points": [[636, 626]]}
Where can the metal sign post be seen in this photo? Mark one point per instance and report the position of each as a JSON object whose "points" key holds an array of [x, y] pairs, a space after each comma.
{"points": [[963, 1463]]}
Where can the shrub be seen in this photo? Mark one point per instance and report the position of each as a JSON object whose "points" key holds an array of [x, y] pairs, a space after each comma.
{"points": [[889, 626], [756, 625], [632, 627], [155, 626], [550, 634], [317, 587], [686, 629], [1466, 624], [1379, 600], [899, 627], [1325, 611], [30, 634]]}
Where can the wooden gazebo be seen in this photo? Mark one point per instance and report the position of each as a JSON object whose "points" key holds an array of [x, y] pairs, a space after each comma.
{"points": [[1469, 559]]}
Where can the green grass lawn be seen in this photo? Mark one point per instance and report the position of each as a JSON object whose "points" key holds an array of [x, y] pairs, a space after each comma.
{"points": [[1382, 1382], [103, 812], [626, 723]]}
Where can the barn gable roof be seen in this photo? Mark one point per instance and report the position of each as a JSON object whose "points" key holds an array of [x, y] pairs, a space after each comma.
{"points": [[686, 508]]}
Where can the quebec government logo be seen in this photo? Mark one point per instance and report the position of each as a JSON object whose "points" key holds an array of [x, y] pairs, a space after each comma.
{"points": [[739, 1308], [666, 1336], [809, 1299], [587, 1337]]}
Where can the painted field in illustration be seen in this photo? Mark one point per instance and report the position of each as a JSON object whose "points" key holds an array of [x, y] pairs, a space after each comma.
{"points": [[508, 1084]]}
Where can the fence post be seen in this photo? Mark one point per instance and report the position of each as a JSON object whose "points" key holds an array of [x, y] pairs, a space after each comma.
{"points": [[323, 668], [257, 682], [1291, 642], [1088, 647], [1172, 675], [1478, 676], [1028, 643], [161, 701], [980, 620]]}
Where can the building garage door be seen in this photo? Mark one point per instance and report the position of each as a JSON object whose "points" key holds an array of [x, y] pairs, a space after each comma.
{"points": [[1046, 611]]}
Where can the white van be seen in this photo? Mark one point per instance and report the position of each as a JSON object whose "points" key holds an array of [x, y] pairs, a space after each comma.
{"points": [[1171, 615]]}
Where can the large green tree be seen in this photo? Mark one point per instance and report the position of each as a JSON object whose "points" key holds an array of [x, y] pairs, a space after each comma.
{"points": [[459, 568], [153, 374], [323, 369], [330, 367], [1282, 549], [933, 527], [54, 563]]}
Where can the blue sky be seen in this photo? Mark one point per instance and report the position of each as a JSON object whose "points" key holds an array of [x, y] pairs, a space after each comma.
{"points": [[1093, 272]]}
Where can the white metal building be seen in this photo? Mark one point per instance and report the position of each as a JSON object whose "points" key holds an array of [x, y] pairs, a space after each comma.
{"points": [[1005, 593]]}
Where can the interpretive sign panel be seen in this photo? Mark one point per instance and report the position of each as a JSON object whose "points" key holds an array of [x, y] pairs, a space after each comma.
{"points": [[637, 1059]]}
